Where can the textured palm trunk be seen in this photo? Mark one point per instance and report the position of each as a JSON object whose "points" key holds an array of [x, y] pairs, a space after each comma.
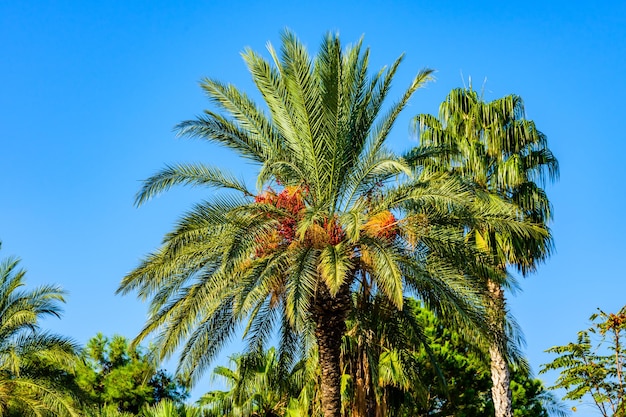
{"points": [[364, 403], [330, 325], [364, 396], [500, 373]]}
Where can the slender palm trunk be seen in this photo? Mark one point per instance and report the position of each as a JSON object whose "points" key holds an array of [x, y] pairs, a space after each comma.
{"points": [[330, 315], [365, 404], [500, 373]]}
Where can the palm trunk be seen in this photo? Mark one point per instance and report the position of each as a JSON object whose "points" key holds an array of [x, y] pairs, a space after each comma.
{"points": [[330, 315], [500, 373], [365, 404]]}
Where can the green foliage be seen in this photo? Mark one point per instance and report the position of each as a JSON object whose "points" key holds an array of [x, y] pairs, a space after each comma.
{"points": [[105, 412], [531, 398], [258, 386], [165, 408], [34, 365], [378, 353], [169, 408], [451, 376], [431, 371], [593, 366], [494, 147], [116, 376]]}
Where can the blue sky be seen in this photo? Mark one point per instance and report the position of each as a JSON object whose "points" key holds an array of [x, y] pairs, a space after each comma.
{"points": [[91, 90]]}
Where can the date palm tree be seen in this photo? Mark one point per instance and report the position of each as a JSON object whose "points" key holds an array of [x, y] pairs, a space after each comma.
{"points": [[32, 362], [495, 148], [328, 214]]}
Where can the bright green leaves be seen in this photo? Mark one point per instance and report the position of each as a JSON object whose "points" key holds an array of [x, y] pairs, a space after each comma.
{"points": [[250, 132], [391, 370], [257, 383], [593, 366], [334, 264], [188, 174], [301, 287], [325, 111], [384, 266], [492, 146]]}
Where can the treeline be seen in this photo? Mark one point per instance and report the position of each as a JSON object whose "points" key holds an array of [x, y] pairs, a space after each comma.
{"points": [[435, 371]]}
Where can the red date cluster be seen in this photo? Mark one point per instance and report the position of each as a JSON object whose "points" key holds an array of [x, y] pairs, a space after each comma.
{"points": [[291, 200]]}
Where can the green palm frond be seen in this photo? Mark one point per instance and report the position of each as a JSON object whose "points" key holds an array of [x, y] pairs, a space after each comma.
{"points": [[215, 128], [167, 408], [334, 265], [188, 174]]}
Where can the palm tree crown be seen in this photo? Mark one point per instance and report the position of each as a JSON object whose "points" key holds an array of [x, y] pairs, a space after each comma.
{"points": [[494, 146]]}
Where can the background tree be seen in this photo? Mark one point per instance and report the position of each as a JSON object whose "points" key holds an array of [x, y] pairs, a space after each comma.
{"points": [[496, 149], [378, 354], [593, 366], [257, 386], [426, 366], [169, 408], [122, 378], [381, 338], [104, 412], [32, 362], [456, 378]]}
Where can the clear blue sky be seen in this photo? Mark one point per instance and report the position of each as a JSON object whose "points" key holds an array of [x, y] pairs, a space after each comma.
{"points": [[90, 91]]}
